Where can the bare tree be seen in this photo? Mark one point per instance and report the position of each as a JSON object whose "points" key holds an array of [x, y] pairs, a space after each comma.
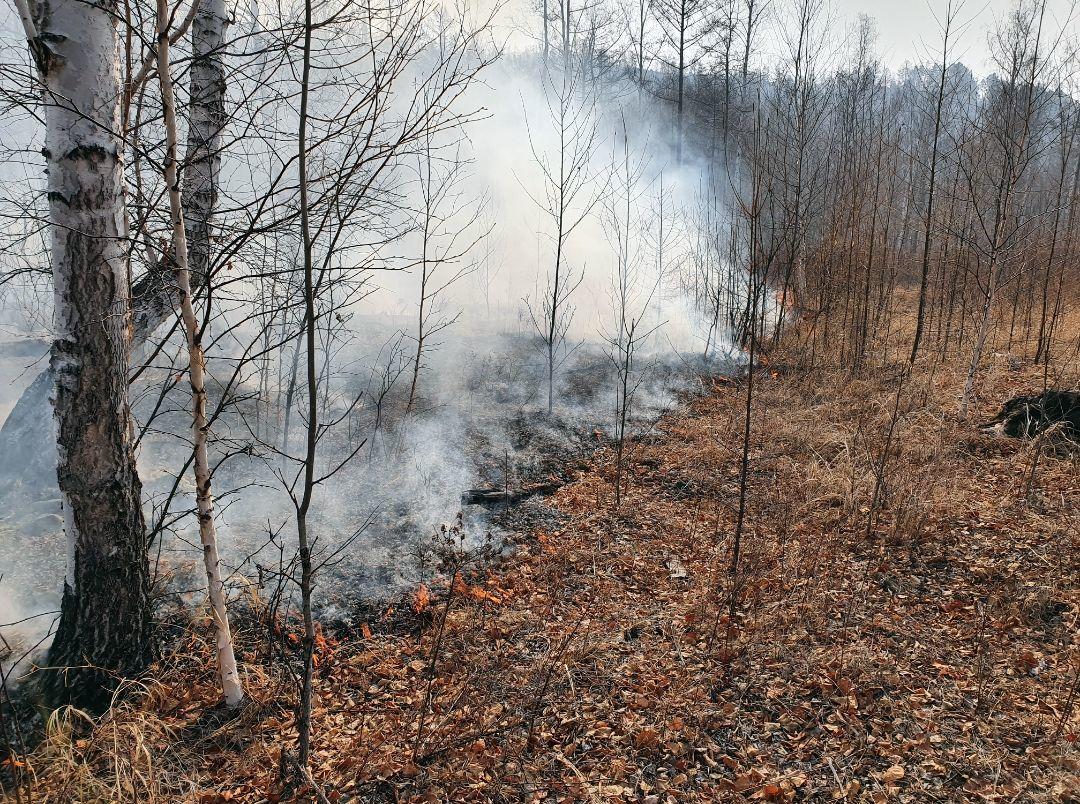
{"points": [[569, 196], [802, 108], [200, 426], [447, 229], [303, 719], [997, 156], [755, 9], [632, 290], [685, 25], [939, 104], [637, 24], [374, 84]]}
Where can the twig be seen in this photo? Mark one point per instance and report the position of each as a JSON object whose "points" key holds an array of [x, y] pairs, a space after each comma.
{"points": [[836, 776], [315, 789]]}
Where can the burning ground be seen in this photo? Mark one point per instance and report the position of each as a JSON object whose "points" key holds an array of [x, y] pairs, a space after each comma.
{"points": [[931, 659]]}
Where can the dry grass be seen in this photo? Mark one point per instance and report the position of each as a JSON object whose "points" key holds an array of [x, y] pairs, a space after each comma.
{"points": [[932, 661]]}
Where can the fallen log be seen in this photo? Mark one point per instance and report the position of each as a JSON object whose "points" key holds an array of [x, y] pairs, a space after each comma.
{"points": [[508, 497]]}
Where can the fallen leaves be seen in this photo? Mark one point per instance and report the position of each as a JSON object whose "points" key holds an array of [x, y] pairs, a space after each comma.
{"points": [[893, 774], [647, 738], [853, 669]]}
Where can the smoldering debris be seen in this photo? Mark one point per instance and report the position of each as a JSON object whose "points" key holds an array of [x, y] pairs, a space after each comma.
{"points": [[483, 447], [478, 425], [1036, 414]]}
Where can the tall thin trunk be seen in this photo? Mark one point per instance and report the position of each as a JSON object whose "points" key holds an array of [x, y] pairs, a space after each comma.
{"points": [[230, 678], [547, 43], [302, 508], [929, 220], [744, 460], [425, 242], [682, 79], [642, 10], [747, 42], [560, 234], [1042, 350]]}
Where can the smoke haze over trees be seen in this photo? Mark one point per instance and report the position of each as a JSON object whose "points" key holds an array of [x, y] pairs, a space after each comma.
{"points": [[309, 306]]}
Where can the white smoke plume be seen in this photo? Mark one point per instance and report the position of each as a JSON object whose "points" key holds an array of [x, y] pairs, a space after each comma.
{"points": [[480, 398]]}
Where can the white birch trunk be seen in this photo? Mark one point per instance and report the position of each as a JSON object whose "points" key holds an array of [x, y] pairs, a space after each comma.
{"points": [[26, 434], [105, 629], [206, 119], [230, 678]]}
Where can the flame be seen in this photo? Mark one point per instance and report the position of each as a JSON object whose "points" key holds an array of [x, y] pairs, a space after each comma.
{"points": [[421, 599], [477, 593]]}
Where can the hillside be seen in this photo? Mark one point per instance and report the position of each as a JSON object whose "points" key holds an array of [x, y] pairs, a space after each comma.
{"points": [[930, 657]]}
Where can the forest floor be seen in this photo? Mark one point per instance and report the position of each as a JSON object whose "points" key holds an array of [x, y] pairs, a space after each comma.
{"points": [[930, 655]]}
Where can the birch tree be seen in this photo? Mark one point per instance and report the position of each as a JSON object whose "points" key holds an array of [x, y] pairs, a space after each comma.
{"points": [[105, 629], [27, 431], [230, 678]]}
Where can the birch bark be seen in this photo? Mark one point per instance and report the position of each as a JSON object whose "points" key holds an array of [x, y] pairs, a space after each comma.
{"points": [[26, 433], [105, 629], [230, 678]]}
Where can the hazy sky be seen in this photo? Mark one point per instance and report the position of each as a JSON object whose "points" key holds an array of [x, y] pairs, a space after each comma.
{"points": [[908, 31]]}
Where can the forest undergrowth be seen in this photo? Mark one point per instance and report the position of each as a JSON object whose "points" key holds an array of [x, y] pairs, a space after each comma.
{"points": [[923, 647]]}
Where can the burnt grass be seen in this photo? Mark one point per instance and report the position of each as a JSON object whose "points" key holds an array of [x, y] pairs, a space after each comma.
{"points": [[519, 449]]}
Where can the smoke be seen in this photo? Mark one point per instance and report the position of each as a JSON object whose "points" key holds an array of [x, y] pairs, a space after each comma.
{"points": [[509, 151], [478, 416]]}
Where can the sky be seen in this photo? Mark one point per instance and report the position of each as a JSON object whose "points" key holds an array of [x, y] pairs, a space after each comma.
{"points": [[910, 30], [907, 30]]}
